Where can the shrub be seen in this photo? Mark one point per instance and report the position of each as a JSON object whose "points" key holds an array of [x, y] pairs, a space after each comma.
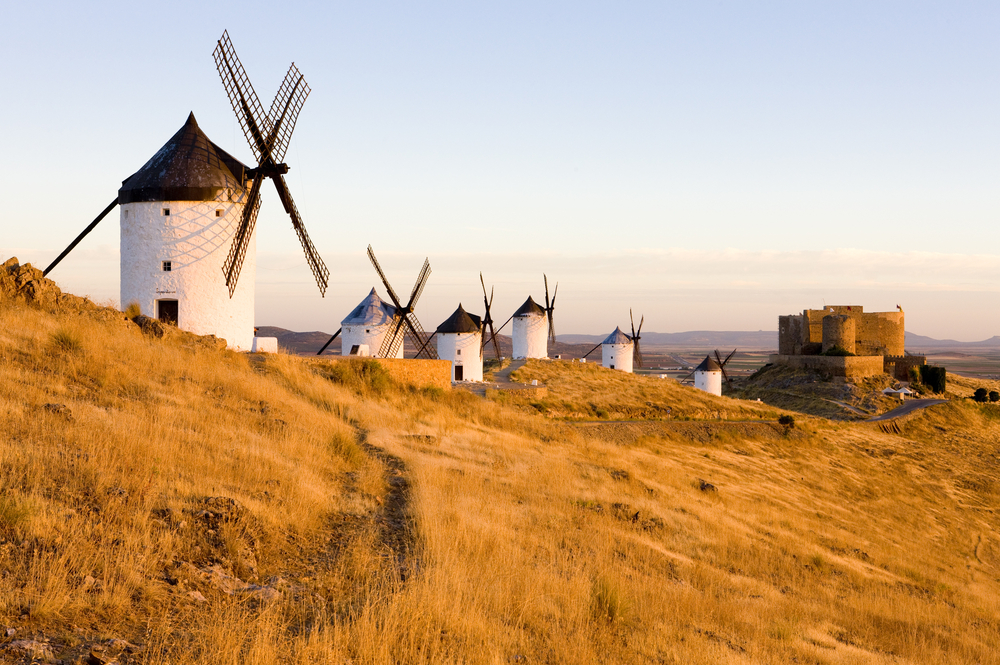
{"points": [[837, 351], [66, 341], [361, 374], [933, 377], [607, 601], [787, 421], [133, 310], [994, 396], [980, 395]]}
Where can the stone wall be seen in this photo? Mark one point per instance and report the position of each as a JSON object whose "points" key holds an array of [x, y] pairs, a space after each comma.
{"points": [[421, 373], [875, 333], [790, 335], [851, 367], [880, 333], [838, 332], [898, 367]]}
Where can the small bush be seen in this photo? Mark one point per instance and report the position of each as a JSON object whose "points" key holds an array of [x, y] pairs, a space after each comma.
{"points": [[14, 515], [838, 351], [607, 601], [994, 396], [361, 374], [787, 421], [980, 395], [65, 340], [133, 310]]}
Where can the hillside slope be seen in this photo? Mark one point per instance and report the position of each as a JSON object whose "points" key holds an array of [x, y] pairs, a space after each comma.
{"points": [[166, 501]]}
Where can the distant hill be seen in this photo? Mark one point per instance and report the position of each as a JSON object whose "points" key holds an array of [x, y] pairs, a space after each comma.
{"points": [[765, 339], [919, 341]]}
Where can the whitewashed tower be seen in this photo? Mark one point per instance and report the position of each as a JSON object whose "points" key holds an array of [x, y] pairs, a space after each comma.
{"points": [[368, 324], [531, 330], [617, 351], [178, 216], [708, 376], [460, 340]]}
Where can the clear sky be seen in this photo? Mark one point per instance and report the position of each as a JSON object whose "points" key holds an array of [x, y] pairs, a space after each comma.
{"points": [[709, 164]]}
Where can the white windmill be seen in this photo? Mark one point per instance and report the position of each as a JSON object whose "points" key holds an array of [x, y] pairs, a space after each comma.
{"points": [[617, 351], [365, 328], [460, 340], [534, 326], [188, 216]]}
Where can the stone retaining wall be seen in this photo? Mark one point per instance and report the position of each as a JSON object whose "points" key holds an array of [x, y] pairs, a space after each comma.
{"points": [[851, 367]]}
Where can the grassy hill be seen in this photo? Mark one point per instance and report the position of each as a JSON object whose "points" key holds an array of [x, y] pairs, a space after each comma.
{"points": [[162, 500]]}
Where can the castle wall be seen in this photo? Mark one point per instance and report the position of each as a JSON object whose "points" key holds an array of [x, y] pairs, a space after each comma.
{"points": [[851, 367], [880, 333], [790, 334], [898, 367]]}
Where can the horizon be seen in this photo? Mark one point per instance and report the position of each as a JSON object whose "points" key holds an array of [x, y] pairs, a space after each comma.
{"points": [[710, 167]]}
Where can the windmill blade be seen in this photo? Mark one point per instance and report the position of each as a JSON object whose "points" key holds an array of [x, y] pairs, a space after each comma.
{"points": [[329, 342], [390, 343], [546, 278], [639, 331], [728, 357], [285, 111], [636, 353], [418, 286], [241, 240], [242, 96], [319, 269], [552, 327], [592, 350], [388, 287], [488, 322], [425, 344], [417, 334], [632, 321], [496, 344], [86, 231]]}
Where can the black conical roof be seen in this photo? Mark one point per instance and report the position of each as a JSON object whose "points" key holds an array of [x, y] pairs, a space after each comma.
{"points": [[530, 307], [708, 365], [461, 322], [189, 167]]}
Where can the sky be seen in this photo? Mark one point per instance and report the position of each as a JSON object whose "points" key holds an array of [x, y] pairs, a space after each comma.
{"points": [[710, 165]]}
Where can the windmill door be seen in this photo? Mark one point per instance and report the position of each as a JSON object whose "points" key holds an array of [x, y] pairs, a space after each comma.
{"points": [[459, 376], [166, 311]]}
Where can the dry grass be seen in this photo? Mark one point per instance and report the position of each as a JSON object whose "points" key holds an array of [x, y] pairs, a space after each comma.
{"points": [[416, 526]]}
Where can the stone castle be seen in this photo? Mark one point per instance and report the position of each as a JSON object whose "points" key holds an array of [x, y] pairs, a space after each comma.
{"points": [[859, 343]]}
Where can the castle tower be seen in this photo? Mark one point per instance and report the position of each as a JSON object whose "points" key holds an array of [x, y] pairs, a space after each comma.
{"points": [[708, 376], [617, 351], [530, 332], [178, 216], [460, 340], [367, 325], [839, 331]]}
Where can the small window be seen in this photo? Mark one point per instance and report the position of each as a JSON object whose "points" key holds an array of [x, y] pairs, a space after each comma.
{"points": [[166, 266], [367, 331], [218, 212], [166, 212], [458, 352], [125, 213]]}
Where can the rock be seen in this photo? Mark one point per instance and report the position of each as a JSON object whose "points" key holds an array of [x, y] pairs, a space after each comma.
{"points": [[11, 632], [262, 593], [149, 326], [36, 651], [99, 656], [59, 409], [222, 581], [197, 596], [705, 486]]}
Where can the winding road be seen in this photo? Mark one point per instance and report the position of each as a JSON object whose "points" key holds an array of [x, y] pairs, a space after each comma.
{"points": [[905, 408]]}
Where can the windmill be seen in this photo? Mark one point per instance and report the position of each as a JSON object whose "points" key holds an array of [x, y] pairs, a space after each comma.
{"points": [[405, 322], [550, 307], [268, 136], [636, 353], [722, 366], [488, 319]]}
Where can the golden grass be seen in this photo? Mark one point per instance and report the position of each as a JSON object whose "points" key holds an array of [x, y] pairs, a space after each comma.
{"points": [[417, 526]]}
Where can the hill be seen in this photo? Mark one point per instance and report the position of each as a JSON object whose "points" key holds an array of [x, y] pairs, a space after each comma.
{"points": [[164, 500], [702, 339]]}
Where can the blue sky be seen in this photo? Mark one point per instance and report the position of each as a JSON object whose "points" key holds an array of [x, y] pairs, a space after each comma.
{"points": [[711, 164]]}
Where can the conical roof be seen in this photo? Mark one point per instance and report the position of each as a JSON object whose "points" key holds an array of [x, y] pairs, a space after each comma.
{"points": [[189, 167], [530, 307], [372, 311], [461, 322], [617, 337], [708, 365]]}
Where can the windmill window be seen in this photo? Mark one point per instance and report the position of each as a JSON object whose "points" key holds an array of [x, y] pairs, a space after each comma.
{"points": [[367, 331], [458, 352], [125, 214], [166, 212], [218, 212], [165, 266]]}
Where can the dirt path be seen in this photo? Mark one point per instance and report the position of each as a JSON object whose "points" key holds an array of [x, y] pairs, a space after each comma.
{"points": [[905, 408], [501, 381]]}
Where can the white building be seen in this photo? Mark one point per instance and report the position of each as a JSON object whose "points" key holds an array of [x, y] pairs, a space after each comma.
{"points": [[531, 331], [617, 351], [366, 327], [179, 213], [708, 376], [460, 340]]}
